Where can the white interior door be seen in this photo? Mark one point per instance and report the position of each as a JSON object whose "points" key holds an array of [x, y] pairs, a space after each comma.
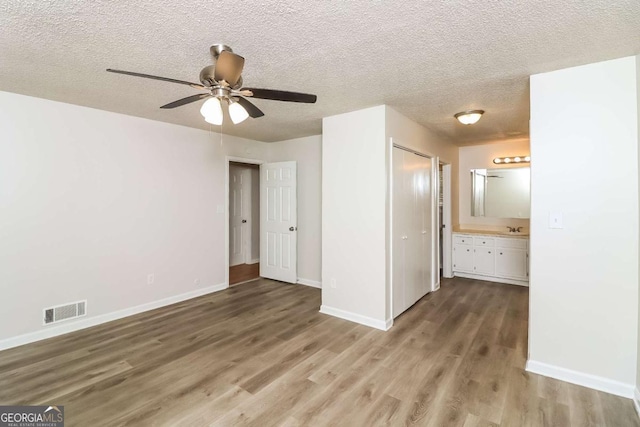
{"points": [[278, 221], [398, 209], [237, 214], [429, 238], [412, 228]]}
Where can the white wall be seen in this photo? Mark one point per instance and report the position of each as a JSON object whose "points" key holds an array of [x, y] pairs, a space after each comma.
{"points": [[353, 213], [307, 152], [637, 394], [584, 277], [481, 157], [93, 201]]}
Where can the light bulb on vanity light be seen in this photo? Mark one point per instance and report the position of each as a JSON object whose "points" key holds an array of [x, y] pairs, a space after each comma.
{"points": [[211, 110], [237, 112], [509, 160]]}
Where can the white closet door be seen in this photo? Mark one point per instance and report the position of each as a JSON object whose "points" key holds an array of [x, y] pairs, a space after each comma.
{"points": [[414, 242], [412, 229], [398, 232]]}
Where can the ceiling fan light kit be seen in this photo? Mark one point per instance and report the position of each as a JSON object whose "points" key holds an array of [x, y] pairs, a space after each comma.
{"points": [[469, 117], [236, 112], [211, 110], [223, 81]]}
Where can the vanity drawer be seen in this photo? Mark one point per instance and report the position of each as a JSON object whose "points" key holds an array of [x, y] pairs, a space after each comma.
{"points": [[484, 241], [511, 243], [462, 240]]}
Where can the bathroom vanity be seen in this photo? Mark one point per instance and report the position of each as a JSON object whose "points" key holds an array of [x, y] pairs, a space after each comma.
{"points": [[492, 256]]}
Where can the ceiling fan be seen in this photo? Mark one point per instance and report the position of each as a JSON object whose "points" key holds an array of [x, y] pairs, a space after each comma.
{"points": [[223, 82]]}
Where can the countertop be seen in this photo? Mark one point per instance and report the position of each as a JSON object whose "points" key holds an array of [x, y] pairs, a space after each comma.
{"points": [[490, 232]]}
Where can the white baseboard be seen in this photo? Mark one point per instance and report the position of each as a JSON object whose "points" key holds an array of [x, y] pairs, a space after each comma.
{"points": [[254, 261], [354, 317], [580, 378], [636, 400], [87, 322], [309, 282]]}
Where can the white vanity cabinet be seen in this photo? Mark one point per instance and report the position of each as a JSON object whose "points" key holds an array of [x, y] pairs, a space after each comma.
{"points": [[502, 259]]}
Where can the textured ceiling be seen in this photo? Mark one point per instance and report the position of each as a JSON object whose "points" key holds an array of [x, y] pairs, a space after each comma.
{"points": [[426, 59]]}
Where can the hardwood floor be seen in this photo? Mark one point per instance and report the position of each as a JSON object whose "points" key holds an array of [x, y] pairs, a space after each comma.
{"points": [[243, 273], [261, 354]]}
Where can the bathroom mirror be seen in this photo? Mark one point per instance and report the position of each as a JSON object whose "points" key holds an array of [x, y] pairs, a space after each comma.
{"points": [[501, 193]]}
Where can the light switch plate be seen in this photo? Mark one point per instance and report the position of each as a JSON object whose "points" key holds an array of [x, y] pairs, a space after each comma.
{"points": [[555, 220], [220, 209]]}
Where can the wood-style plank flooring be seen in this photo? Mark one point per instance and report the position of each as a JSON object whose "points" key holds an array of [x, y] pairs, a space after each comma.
{"points": [[243, 272], [261, 354]]}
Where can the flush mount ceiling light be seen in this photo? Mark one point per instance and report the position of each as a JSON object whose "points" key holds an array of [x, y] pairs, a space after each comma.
{"points": [[469, 117], [223, 81], [509, 160]]}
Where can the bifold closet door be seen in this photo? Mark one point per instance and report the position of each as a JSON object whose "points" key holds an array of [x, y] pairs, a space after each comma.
{"points": [[411, 228], [426, 227], [399, 208]]}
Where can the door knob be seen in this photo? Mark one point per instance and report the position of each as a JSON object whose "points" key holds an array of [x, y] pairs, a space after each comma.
{"points": [[291, 228], [244, 221]]}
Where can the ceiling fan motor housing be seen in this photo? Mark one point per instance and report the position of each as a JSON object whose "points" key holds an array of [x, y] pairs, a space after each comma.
{"points": [[207, 75]]}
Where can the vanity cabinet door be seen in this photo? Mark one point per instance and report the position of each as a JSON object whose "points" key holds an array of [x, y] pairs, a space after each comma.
{"points": [[511, 263], [484, 260], [463, 258]]}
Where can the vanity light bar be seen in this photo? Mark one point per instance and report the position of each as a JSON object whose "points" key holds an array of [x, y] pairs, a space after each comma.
{"points": [[514, 159]]}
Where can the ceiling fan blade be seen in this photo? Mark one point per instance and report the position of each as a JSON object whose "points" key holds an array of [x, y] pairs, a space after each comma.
{"points": [[253, 111], [164, 79], [281, 95], [229, 67], [187, 100]]}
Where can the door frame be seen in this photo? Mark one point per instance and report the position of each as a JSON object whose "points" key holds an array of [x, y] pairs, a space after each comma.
{"points": [[229, 159]]}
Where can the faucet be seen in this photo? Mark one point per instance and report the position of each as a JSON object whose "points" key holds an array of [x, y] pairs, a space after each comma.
{"points": [[514, 229]]}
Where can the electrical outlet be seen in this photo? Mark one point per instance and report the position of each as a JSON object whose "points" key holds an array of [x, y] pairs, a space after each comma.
{"points": [[333, 283], [150, 279], [196, 282]]}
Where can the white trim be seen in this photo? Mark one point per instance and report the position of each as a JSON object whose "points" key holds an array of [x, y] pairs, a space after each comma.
{"points": [[580, 378], [491, 279], [309, 282], [636, 400], [87, 322], [254, 261], [357, 318]]}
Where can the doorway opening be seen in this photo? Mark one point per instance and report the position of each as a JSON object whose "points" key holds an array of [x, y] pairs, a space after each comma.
{"points": [[244, 222], [444, 221]]}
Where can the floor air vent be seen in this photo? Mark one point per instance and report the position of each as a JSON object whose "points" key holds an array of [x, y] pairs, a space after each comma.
{"points": [[64, 312]]}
